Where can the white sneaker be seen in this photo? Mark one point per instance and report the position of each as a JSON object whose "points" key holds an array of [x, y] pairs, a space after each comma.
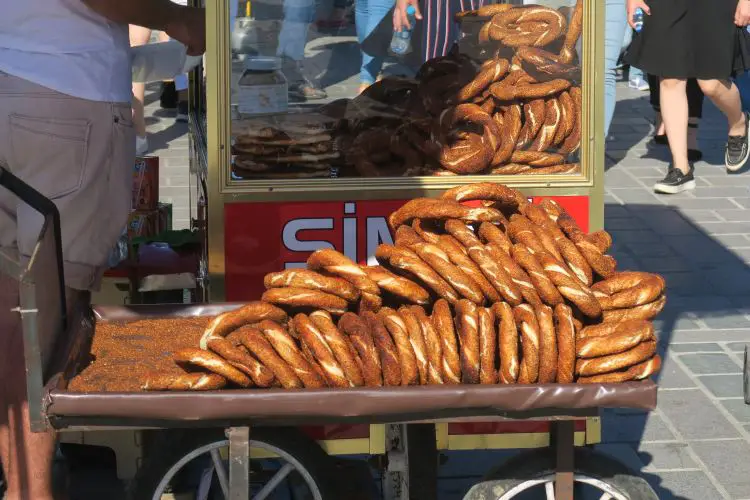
{"points": [[638, 84], [141, 145]]}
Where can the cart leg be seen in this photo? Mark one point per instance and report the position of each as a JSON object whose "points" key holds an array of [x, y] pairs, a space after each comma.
{"points": [[396, 475], [563, 436], [239, 462]]}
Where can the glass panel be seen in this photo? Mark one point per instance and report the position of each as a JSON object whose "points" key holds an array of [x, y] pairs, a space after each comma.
{"points": [[332, 90]]}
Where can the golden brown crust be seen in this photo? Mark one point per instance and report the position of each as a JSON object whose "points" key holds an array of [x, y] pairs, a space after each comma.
{"points": [[426, 208], [507, 343], [341, 348], [255, 342], [467, 326], [647, 311], [226, 323], [389, 359], [569, 287], [340, 265], [566, 344], [396, 326], [315, 342], [529, 328], [409, 262], [548, 352], [442, 320], [460, 257], [193, 357], [303, 278], [287, 348], [439, 261], [433, 346], [487, 346], [417, 340], [636, 372], [625, 337], [361, 338], [615, 362], [399, 286], [542, 283], [305, 298], [628, 289], [238, 357], [185, 382]]}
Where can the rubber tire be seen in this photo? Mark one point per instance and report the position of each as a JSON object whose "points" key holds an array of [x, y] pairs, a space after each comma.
{"points": [[538, 463], [170, 446]]}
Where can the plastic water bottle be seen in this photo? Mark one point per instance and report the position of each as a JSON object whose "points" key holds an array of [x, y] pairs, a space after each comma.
{"points": [[401, 41], [638, 20]]}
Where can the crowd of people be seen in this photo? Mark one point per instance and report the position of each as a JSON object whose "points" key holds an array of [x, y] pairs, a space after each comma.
{"points": [[67, 128]]}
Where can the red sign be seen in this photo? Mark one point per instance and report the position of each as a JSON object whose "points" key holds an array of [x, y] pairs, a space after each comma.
{"points": [[264, 237]]}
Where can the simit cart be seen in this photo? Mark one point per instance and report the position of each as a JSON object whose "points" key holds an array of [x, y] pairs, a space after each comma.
{"points": [[247, 443]]}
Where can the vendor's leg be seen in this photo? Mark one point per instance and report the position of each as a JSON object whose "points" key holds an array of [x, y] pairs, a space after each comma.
{"points": [[615, 23], [726, 96], [139, 36], [298, 14]]}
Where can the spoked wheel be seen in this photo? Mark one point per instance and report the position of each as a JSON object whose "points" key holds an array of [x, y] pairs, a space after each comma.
{"points": [[531, 476], [284, 465]]}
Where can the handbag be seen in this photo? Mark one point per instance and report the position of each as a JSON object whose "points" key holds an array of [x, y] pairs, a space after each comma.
{"points": [[741, 65]]}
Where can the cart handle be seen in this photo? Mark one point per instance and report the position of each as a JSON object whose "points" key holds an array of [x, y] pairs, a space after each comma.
{"points": [[48, 209]]}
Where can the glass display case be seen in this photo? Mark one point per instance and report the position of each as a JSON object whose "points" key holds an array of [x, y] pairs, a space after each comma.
{"points": [[305, 106]]}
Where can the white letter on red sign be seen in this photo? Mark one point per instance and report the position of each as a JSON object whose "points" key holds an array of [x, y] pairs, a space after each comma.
{"points": [[291, 228], [377, 233]]}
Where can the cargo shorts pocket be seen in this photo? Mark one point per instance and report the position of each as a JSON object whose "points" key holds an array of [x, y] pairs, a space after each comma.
{"points": [[50, 153]]}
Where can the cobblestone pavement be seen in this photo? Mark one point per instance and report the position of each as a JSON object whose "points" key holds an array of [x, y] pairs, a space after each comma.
{"points": [[696, 445]]}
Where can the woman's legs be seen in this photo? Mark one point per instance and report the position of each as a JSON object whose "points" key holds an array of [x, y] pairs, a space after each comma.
{"points": [[726, 96], [369, 14], [615, 17], [695, 113], [139, 36], [675, 115]]}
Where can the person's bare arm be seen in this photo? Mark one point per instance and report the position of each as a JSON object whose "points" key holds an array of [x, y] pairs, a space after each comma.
{"points": [[184, 24]]}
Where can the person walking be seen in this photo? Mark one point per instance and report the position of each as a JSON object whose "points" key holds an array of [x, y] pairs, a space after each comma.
{"points": [[368, 14], [298, 16], [683, 39], [695, 113], [66, 129]]}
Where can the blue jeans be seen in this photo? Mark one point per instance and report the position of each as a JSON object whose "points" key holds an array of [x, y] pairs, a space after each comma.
{"points": [[615, 24], [298, 14], [367, 16], [635, 73]]}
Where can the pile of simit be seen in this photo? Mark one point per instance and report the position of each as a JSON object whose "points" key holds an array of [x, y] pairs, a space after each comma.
{"points": [[516, 112], [509, 292]]}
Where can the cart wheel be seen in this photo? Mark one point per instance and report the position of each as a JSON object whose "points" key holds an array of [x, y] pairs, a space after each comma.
{"points": [[746, 380], [535, 471], [288, 462]]}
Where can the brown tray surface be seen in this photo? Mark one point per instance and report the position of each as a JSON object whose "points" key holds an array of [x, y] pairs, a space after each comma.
{"points": [[128, 342]]}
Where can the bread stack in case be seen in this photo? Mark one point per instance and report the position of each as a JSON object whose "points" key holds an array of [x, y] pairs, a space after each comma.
{"points": [[505, 292]]}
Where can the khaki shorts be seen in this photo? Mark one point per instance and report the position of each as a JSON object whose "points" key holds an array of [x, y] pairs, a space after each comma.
{"points": [[79, 154]]}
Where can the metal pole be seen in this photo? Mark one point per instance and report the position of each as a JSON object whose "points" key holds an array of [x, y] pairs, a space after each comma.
{"points": [[239, 463], [563, 436]]}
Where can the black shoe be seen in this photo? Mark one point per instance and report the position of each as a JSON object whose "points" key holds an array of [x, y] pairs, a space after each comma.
{"points": [[305, 90], [182, 112], [168, 99], [738, 148], [675, 181]]}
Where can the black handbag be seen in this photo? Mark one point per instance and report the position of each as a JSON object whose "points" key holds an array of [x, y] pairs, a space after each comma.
{"points": [[741, 51]]}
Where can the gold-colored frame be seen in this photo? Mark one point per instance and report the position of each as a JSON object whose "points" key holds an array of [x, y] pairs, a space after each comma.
{"points": [[222, 189]]}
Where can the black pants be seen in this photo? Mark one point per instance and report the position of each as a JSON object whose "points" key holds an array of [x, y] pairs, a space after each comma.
{"points": [[694, 96]]}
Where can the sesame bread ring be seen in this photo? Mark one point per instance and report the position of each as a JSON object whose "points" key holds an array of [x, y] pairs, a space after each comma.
{"points": [[238, 357], [442, 320], [615, 362], [567, 119], [544, 286], [502, 91], [305, 298], [566, 344], [467, 326], [548, 24], [191, 357], [548, 352], [552, 120], [426, 208], [516, 273], [184, 382], [287, 348], [510, 122], [342, 350], [426, 230], [575, 28], [303, 278], [255, 342], [529, 328], [418, 344], [646, 311], [503, 196], [460, 257], [406, 236], [569, 287], [521, 231], [629, 289], [487, 346], [494, 273], [338, 264], [360, 336], [637, 372], [389, 359], [533, 113], [490, 233], [571, 143], [370, 302], [224, 324], [625, 337], [507, 343], [401, 287], [433, 346], [438, 260], [490, 72], [315, 342], [409, 262], [537, 158], [396, 326]]}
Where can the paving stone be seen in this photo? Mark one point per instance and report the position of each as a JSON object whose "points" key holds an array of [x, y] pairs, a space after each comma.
{"points": [[743, 202], [740, 215], [650, 249], [624, 453], [705, 335], [664, 263], [687, 284], [696, 347], [683, 485], [665, 325], [738, 408], [672, 375], [728, 461], [731, 280], [699, 216], [666, 456], [631, 196], [713, 228], [640, 235], [739, 346], [723, 386], [633, 428], [709, 363], [704, 203], [733, 319], [694, 415]]}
